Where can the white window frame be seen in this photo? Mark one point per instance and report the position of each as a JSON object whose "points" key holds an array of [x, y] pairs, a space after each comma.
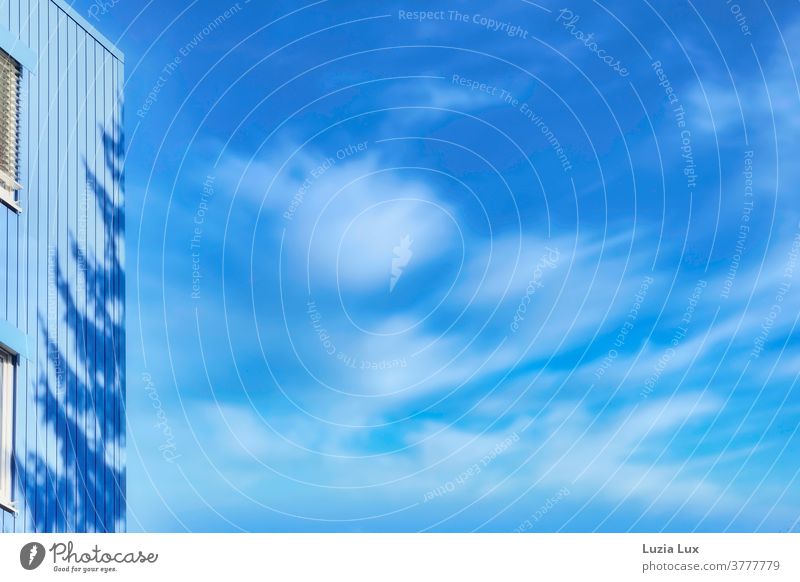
{"points": [[8, 192], [9, 187], [6, 430]]}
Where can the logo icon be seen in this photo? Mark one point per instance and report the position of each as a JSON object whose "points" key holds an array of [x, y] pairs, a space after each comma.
{"points": [[402, 256], [31, 555]]}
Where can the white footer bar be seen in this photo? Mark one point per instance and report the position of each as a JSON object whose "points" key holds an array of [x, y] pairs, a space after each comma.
{"points": [[402, 557]]}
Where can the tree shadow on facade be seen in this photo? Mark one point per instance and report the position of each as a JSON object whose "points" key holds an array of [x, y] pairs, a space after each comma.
{"points": [[76, 481]]}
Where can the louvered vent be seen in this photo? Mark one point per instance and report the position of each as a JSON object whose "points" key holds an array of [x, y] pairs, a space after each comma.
{"points": [[10, 73]]}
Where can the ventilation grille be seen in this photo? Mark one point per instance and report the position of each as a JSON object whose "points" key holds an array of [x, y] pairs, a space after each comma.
{"points": [[10, 74]]}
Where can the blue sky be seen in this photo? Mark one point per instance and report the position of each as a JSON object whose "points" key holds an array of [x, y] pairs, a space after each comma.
{"points": [[526, 267]]}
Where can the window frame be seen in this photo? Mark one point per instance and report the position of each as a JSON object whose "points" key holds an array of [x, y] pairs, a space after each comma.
{"points": [[9, 187], [8, 196], [7, 431]]}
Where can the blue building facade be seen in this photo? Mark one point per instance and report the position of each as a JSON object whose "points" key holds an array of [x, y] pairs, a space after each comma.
{"points": [[62, 339]]}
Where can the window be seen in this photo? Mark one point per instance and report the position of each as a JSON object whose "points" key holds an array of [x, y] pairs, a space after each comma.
{"points": [[6, 428], [10, 76]]}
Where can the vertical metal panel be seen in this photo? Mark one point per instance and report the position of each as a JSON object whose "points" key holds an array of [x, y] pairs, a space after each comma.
{"points": [[42, 345], [50, 492], [7, 279], [108, 409], [100, 346], [60, 280], [13, 16], [70, 171], [49, 234], [122, 348], [26, 286], [30, 143], [81, 292], [62, 269], [94, 224]]}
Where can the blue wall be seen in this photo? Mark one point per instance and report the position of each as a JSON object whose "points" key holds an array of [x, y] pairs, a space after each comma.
{"points": [[61, 277]]}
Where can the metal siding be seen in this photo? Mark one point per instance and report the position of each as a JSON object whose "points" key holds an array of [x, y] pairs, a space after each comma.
{"points": [[63, 265], [50, 493], [69, 442], [8, 280], [13, 17], [71, 394], [108, 418], [93, 339], [100, 357], [23, 281], [43, 365], [30, 143], [81, 292], [5, 14], [121, 417]]}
